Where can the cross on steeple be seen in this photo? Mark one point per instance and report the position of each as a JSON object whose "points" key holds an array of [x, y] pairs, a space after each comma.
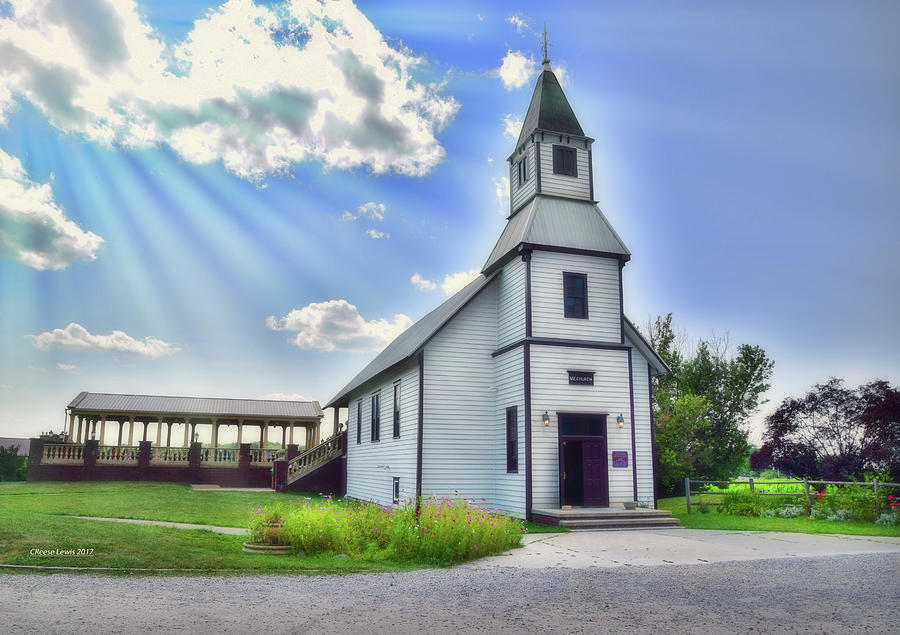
{"points": [[545, 47]]}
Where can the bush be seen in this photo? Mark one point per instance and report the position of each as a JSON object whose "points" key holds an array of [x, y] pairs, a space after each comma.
{"points": [[842, 515], [445, 532], [889, 519], [855, 501], [747, 503]]}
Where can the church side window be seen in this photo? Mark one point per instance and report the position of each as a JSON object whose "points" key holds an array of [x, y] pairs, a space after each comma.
{"points": [[359, 421], [512, 440], [575, 295], [376, 417], [397, 410]]}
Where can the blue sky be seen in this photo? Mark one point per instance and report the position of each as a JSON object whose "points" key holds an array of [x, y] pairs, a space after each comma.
{"points": [[747, 155]]}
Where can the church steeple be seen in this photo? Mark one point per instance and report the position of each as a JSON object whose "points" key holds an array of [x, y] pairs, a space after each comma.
{"points": [[549, 109]]}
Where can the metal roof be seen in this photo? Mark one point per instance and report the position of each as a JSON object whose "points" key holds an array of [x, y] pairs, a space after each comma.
{"points": [[553, 221], [198, 406], [549, 109], [412, 339]]}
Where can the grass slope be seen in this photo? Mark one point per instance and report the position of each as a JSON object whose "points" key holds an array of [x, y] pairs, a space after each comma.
{"points": [[35, 516]]}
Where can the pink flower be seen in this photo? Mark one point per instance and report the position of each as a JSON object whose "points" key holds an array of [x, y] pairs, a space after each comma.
{"points": [[475, 547]]}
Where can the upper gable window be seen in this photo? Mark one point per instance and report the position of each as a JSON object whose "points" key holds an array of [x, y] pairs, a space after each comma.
{"points": [[523, 171], [575, 295], [564, 161]]}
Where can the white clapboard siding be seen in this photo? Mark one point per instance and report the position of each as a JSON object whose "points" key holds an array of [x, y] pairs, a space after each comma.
{"points": [[459, 451], [511, 303], [642, 428], [547, 307], [371, 467], [550, 391], [509, 378], [578, 186], [521, 193]]}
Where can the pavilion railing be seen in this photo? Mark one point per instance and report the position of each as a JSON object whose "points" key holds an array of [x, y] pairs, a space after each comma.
{"points": [[263, 456], [173, 456], [117, 455], [315, 457], [63, 454], [219, 457]]}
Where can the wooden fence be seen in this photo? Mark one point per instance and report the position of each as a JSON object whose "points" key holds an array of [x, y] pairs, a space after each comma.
{"points": [[753, 484]]}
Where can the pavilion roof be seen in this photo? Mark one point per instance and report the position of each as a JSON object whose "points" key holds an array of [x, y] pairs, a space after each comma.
{"points": [[197, 406]]}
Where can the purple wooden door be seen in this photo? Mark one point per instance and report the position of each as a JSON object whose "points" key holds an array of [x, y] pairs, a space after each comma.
{"points": [[596, 488]]}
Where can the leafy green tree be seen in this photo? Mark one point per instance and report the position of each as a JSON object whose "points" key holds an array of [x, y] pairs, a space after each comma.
{"points": [[732, 387], [680, 441], [12, 466]]}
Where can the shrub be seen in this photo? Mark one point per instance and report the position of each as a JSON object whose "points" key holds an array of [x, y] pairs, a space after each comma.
{"points": [[790, 511], [842, 515], [858, 502], [888, 518]]}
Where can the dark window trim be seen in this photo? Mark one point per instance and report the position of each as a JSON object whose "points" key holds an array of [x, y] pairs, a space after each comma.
{"points": [[375, 432], [512, 440], [396, 490], [359, 421], [583, 276], [397, 392], [557, 167]]}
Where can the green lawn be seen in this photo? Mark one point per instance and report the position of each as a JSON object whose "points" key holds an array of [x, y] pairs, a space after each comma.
{"points": [[34, 516], [716, 520]]}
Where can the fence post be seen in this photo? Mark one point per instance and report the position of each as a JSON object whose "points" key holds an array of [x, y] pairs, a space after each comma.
{"points": [[687, 493], [875, 488], [751, 484], [808, 501]]}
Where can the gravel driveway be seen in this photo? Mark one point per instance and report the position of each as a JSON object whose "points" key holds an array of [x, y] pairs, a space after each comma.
{"points": [[832, 594]]}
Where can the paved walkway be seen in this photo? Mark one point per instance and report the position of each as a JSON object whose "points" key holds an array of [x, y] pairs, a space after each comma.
{"points": [[231, 531], [583, 549]]}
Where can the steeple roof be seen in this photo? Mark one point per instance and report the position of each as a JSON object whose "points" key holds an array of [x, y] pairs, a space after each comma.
{"points": [[549, 109]]}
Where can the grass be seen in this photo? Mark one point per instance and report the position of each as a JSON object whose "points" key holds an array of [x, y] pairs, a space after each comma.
{"points": [[35, 516], [804, 525]]}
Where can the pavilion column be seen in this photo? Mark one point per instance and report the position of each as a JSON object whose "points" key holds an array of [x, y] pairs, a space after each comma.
{"points": [[80, 425], [337, 411], [146, 423], [159, 423], [215, 433], [121, 426], [240, 432], [187, 432], [264, 442], [102, 429], [71, 427], [283, 436], [168, 434], [131, 430], [291, 437], [308, 441]]}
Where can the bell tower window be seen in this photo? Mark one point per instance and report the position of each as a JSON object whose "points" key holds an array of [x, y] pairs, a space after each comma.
{"points": [[523, 171], [564, 161]]}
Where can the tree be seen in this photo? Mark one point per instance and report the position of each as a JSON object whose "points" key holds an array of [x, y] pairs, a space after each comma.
{"points": [[835, 433], [680, 441], [12, 466], [732, 387]]}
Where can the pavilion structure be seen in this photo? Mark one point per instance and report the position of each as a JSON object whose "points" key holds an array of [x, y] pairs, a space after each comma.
{"points": [[89, 415]]}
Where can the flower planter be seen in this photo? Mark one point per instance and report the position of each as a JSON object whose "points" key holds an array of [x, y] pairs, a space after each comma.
{"points": [[272, 531], [630, 505], [272, 550]]}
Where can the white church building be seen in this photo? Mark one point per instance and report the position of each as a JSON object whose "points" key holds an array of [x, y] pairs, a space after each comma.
{"points": [[529, 388]]}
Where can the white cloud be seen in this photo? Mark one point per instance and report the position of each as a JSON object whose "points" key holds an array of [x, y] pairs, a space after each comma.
{"points": [[480, 17], [348, 217], [76, 337], [512, 126], [501, 191], [422, 284], [255, 87], [521, 21], [281, 396], [453, 282], [373, 210], [336, 325], [69, 368], [516, 69], [34, 229], [376, 235]]}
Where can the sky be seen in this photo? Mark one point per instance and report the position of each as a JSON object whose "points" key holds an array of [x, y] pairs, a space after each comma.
{"points": [[250, 199]]}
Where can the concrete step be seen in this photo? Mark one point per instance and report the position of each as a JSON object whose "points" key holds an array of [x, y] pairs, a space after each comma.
{"points": [[619, 523], [616, 513]]}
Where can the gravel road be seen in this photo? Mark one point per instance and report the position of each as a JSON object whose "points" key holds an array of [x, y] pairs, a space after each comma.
{"points": [[858, 593]]}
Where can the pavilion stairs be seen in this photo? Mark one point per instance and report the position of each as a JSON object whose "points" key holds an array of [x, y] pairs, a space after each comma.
{"points": [[606, 518], [321, 468]]}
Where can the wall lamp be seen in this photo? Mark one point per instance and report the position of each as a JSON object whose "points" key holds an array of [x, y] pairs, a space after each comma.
{"points": [[620, 420], [545, 418]]}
